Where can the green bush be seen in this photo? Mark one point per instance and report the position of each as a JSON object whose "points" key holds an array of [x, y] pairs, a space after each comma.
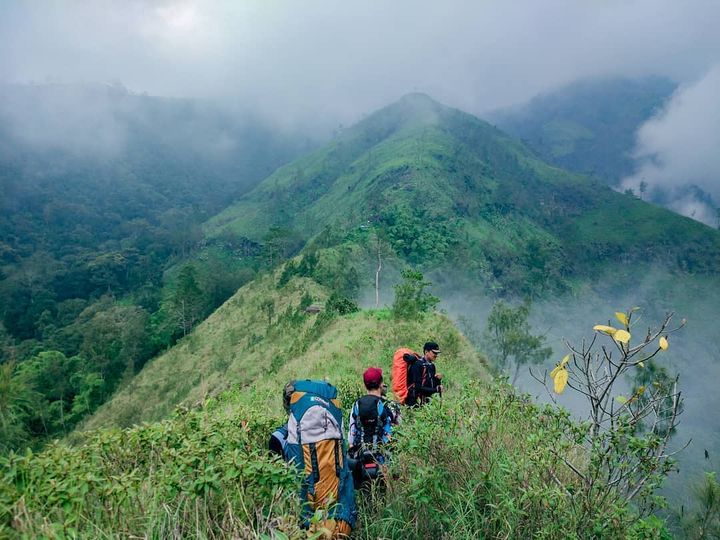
{"points": [[484, 465], [192, 476], [411, 298]]}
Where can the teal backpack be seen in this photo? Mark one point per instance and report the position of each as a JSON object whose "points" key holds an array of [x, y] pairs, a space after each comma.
{"points": [[317, 447]]}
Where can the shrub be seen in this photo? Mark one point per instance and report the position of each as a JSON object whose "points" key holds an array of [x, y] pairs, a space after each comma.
{"points": [[192, 476], [411, 298], [484, 465], [625, 454]]}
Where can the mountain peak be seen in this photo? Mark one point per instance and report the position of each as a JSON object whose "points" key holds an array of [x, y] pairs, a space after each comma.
{"points": [[419, 104], [411, 110], [418, 98]]}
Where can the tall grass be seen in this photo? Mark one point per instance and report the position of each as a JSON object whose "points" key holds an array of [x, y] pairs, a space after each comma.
{"points": [[482, 462]]}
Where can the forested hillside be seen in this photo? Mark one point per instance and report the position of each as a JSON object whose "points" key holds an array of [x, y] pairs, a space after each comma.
{"points": [[588, 126], [101, 192]]}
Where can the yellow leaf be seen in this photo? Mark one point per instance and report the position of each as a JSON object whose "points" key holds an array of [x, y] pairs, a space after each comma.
{"points": [[609, 330], [620, 316], [621, 399], [561, 378], [622, 336], [640, 390], [664, 343], [641, 364], [560, 365]]}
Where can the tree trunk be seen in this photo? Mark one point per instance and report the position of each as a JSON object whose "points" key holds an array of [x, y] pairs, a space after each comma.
{"points": [[377, 281], [517, 372]]}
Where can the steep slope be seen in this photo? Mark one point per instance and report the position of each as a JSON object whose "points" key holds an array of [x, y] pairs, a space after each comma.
{"points": [[443, 187], [262, 337], [588, 126], [480, 461]]}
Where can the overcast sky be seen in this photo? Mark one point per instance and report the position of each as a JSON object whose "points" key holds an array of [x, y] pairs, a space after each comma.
{"points": [[347, 58], [321, 61]]}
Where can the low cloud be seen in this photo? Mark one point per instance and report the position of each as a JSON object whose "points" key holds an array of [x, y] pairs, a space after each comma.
{"points": [[81, 120], [325, 63], [679, 148]]}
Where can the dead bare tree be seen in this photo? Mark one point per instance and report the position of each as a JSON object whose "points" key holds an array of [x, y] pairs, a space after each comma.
{"points": [[627, 436], [377, 278]]}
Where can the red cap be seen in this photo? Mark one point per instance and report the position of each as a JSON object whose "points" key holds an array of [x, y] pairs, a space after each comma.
{"points": [[372, 376]]}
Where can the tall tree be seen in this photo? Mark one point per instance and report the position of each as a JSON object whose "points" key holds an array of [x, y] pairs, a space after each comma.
{"points": [[187, 300], [510, 339], [411, 297]]}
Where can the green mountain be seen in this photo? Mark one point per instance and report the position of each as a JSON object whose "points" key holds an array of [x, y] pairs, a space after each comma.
{"points": [[414, 184], [450, 192], [588, 126]]}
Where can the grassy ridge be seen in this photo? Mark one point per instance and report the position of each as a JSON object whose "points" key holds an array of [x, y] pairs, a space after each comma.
{"points": [[260, 338], [481, 462], [122, 480]]}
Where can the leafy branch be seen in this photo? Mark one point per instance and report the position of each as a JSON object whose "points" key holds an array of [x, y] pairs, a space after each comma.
{"points": [[627, 435]]}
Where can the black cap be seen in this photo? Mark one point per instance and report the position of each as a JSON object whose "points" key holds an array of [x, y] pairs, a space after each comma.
{"points": [[431, 346]]}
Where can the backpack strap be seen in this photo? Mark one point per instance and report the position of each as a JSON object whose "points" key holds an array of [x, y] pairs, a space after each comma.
{"points": [[338, 467], [380, 427], [314, 462], [359, 429]]}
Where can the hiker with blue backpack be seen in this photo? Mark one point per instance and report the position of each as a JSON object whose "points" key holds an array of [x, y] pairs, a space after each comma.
{"points": [[278, 438], [316, 445]]}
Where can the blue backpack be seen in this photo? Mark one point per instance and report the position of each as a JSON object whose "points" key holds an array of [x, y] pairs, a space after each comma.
{"points": [[316, 446]]}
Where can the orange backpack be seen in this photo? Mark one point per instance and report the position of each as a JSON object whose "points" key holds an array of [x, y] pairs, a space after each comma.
{"points": [[400, 368]]}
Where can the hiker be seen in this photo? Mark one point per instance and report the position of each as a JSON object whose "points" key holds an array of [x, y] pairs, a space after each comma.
{"points": [[278, 438], [371, 420], [317, 447], [423, 381]]}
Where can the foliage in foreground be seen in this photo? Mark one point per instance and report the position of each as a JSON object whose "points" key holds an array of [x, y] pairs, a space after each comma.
{"points": [[195, 476], [626, 438], [480, 463], [485, 465]]}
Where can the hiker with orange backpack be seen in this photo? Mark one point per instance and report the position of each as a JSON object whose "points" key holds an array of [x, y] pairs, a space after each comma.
{"points": [[423, 380]]}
